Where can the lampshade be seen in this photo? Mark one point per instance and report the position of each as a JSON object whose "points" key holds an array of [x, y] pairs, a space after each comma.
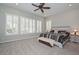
{"points": [[75, 31]]}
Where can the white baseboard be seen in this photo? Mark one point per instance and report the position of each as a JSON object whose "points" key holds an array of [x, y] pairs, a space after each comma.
{"points": [[17, 39]]}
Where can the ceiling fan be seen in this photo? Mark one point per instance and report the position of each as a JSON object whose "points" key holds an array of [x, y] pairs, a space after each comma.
{"points": [[41, 7]]}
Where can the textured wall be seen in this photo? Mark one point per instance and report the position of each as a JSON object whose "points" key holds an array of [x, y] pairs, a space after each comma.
{"points": [[7, 9], [66, 18]]}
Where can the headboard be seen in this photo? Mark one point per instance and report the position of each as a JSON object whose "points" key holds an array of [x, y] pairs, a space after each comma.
{"points": [[57, 28]]}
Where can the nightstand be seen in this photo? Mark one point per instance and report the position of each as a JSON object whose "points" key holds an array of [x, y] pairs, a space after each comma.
{"points": [[74, 38]]}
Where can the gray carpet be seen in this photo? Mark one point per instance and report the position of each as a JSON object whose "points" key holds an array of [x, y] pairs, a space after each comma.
{"points": [[33, 47]]}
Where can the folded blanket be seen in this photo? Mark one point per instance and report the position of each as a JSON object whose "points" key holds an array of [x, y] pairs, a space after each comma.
{"points": [[46, 40], [51, 42]]}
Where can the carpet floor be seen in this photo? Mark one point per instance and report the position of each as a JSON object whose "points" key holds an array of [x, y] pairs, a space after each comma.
{"points": [[33, 47]]}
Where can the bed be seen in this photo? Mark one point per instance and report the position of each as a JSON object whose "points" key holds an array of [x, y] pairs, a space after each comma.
{"points": [[59, 38]]}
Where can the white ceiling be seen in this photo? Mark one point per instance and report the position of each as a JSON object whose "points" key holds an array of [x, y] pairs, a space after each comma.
{"points": [[55, 8]]}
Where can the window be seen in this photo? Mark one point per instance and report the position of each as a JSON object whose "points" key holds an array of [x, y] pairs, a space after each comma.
{"points": [[27, 25], [22, 25], [30, 25], [39, 26], [33, 26], [11, 24], [48, 24]]}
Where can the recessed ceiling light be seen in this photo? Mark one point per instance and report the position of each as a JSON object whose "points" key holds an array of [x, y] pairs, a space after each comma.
{"points": [[70, 5], [16, 3]]}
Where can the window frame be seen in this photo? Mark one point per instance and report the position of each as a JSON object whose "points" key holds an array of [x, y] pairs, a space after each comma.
{"points": [[12, 23]]}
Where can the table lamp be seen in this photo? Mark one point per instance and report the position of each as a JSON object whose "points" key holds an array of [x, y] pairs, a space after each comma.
{"points": [[75, 31]]}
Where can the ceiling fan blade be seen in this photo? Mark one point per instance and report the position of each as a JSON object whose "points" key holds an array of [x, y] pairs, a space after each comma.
{"points": [[42, 4], [36, 9], [46, 7], [42, 11], [34, 5]]}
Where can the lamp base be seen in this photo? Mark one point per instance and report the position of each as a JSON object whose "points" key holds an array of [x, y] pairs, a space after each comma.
{"points": [[74, 33]]}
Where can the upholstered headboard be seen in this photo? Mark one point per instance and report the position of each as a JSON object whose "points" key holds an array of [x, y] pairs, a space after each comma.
{"points": [[57, 28]]}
